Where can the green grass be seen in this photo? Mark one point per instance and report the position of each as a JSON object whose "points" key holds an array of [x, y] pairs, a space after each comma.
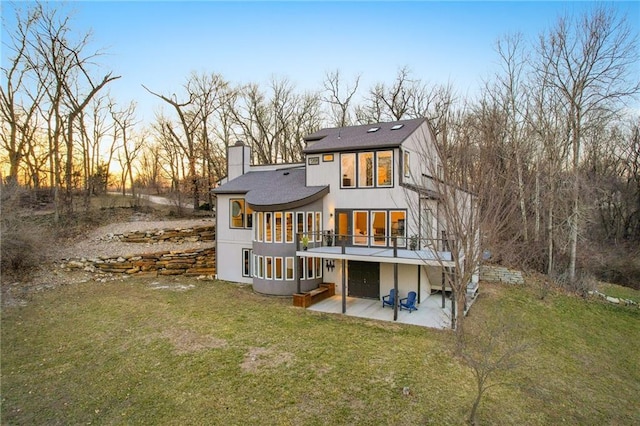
{"points": [[619, 291], [122, 353]]}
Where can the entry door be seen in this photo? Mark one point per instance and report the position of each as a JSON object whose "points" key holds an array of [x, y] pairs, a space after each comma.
{"points": [[364, 280]]}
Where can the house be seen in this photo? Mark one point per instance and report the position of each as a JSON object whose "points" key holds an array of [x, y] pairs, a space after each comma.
{"points": [[362, 212]]}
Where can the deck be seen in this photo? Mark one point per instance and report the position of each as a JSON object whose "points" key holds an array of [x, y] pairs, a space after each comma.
{"points": [[429, 313]]}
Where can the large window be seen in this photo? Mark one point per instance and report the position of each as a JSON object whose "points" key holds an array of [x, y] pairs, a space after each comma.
{"points": [[318, 226], [385, 168], [372, 227], [360, 228], [241, 215], [397, 223], [348, 170], [365, 169], [310, 228], [372, 169], [379, 228]]}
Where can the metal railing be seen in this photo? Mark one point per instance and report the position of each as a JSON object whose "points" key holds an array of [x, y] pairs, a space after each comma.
{"points": [[311, 240]]}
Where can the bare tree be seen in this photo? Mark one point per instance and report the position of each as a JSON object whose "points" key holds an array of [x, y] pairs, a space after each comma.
{"points": [[588, 61], [339, 97], [125, 123], [492, 348]]}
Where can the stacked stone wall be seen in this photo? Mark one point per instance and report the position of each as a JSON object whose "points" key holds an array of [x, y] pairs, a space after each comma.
{"points": [[501, 274], [180, 235], [189, 262]]}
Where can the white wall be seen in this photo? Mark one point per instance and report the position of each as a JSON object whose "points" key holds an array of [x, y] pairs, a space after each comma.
{"points": [[230, 243]]}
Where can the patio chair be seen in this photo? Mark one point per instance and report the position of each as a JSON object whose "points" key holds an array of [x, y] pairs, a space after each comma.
{"points": [[409, 302], [390, 299]]}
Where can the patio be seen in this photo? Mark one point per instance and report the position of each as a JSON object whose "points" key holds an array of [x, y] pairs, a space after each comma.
{"points": [[429, 313]]}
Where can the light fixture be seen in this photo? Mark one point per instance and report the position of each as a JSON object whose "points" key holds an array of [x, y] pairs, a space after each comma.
{"points": [[330, 264]]}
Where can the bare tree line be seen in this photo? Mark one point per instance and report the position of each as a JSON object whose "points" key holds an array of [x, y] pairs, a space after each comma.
{"points": [[546, 139]]}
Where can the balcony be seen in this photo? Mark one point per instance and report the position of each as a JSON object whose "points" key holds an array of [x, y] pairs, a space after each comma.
{"points": [[386, 249]]}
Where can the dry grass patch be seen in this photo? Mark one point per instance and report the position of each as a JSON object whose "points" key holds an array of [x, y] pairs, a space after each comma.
{"points": [[186, 341], [257, 359]]}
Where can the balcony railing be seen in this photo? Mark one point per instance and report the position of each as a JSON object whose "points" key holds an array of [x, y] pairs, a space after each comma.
{"points": [[311, 240]]}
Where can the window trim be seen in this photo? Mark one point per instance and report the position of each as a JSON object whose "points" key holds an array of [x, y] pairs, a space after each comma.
{"points": [[289, 236], [286, 268], [261, 267], [268, 236], [278, 235], [247, 267], [268, 267], [376, 165], [277, 270]]}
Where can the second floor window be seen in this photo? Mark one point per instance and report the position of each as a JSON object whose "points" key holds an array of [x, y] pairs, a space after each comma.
{"points": [[366, 169], [240, 213]]}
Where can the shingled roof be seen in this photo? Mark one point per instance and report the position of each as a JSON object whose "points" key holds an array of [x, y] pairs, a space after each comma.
{"points": [[274, 189], [387, 135]]}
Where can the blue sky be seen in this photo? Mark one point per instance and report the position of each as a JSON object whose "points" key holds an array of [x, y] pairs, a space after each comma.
{"points": [[159, 43]]}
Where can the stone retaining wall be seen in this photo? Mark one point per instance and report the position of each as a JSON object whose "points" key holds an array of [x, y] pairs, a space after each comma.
{"points": [[501, 274], [191, 262], [179, 235]]}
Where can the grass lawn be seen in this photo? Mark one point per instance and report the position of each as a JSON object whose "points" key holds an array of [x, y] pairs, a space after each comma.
{"points": [[130, 353]]}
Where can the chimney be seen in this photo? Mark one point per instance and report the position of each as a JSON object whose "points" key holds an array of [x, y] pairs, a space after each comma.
{"points": [[238, 160]]}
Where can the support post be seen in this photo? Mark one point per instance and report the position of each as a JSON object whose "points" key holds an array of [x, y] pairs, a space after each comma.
{"points": [[395, 287], [344, 286]]}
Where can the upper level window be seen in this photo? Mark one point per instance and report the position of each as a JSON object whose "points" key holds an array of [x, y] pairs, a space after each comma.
{"points": [[406, 164], [385, 168], [348, 170], [240, 213], [365, 169], [372, 169]]}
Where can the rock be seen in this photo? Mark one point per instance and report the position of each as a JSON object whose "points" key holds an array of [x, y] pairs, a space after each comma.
{"points": [[613, 299]]}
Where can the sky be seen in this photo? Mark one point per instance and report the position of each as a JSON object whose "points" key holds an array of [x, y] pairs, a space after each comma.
{"points": [[159, 44]]}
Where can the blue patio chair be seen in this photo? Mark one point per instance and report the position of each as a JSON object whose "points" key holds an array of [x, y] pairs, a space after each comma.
{"points": [[409, 302], [390, 299]]}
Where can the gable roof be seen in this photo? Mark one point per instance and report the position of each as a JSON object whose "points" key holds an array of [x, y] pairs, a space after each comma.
{"points": [[271, 190], [360, 137]]}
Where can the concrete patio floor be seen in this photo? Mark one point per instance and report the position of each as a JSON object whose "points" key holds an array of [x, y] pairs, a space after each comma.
{"points": [[429, 313]]}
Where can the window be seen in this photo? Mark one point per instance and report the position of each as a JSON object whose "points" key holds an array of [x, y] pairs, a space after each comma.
{"points": [[379, 228], [318, 267], [268, 267], [406, 165], [372, 169], [300, 223], [318, 226], [426, 223], [278, 223], [310, 229], [260, 227], [327, 158], [313, 161], [310, 264], [373, 129], [360, 227], [268, 228], [288, 227], [385, 168], [260, 267], [240, 214], [255, 265], [301, 267], [278, 268], [348, 170], [246, 262], [289, 268], [397, 127], [397, 221], [365, 169]]}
